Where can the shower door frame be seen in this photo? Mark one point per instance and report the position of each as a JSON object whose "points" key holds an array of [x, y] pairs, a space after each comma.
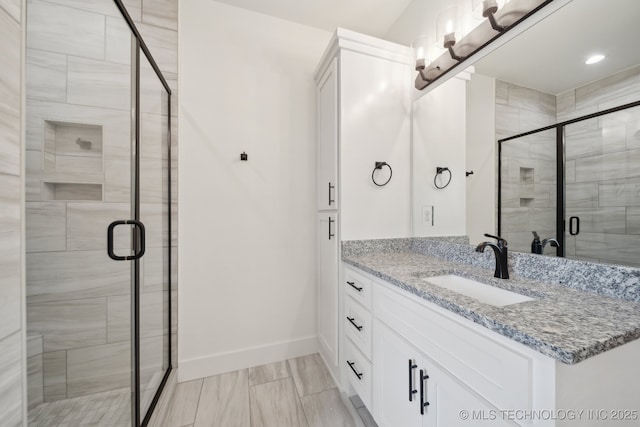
{"points": [[560, 168], [137, 418]]}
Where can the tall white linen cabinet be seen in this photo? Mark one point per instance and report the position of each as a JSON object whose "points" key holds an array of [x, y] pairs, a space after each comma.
{"points": [[363, 88]]}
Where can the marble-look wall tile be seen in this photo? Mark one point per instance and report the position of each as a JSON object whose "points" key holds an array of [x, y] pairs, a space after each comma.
{"points": [[633, 220], [633, 133], [600, 220], [46, 75], [502, 92], [608, 166], [152, 319], [46, 226], [55, 375], [117, 179], [612, 248], [69, 324], [35, 381], [507, 121], [13, 8], [625, 193], [566, 102], [570, 171], [11, 380], [67, 30], [98, 368], [608, 88], [98, 83], [87, 224], [118, 44], [33, 179], [59, 276], [163, 13], [10, 249], [34, 345], [10, 52], [163, 44], [581, 195], [101, 7], [533, 100]]}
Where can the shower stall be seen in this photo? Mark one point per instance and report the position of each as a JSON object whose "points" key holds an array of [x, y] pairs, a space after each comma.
{"points": [[578, 182], [98, 217]]}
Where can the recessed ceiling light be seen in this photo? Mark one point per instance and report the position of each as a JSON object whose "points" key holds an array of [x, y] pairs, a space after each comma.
{"points": [[594, 59]]}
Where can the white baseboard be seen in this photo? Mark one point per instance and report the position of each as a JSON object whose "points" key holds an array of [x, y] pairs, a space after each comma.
{"points": [[221, 363]]}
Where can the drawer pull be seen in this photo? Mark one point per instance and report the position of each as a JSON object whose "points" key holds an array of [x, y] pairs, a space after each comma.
{"points": [[353, 285], [355, 325], [423, 402], [412, 366], [358, 374]]}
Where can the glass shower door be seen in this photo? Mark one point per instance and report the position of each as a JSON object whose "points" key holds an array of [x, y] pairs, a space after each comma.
{"points": [[528, 180], [78, 172], [153, 204], [602, 169]]}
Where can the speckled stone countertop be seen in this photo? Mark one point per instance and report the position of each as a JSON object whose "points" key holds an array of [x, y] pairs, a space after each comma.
{"points": [[562, 322]]}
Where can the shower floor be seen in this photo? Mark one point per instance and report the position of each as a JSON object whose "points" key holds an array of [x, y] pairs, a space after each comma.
{"points": [[110, 408]]}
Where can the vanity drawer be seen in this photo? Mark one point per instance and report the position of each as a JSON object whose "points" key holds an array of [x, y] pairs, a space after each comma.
{"points": [[358, 286], [358, 325], [503, 376], [359, 370]]}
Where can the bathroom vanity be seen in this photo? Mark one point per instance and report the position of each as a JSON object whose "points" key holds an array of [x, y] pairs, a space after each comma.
{"points": [[421, 354]]}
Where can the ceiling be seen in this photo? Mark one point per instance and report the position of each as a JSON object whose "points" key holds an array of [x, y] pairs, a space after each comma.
{"points": [[372, 17], [550, 56]]}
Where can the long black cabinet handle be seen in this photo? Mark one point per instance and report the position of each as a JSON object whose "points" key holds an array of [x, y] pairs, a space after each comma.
{"points": [[330, 234], [412, 366], [330, 199], [423, 402], [353, 285], [358, 374], [352, 320], [141, 233]]}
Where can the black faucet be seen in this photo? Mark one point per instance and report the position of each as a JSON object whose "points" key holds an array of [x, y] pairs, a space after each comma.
{"points": [[500, 251], [553, 242]]}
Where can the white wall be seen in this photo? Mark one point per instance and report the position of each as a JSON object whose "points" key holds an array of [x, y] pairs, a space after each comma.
{"points": [[481, 158], [439, 140], [247, 229], [375, 126]]}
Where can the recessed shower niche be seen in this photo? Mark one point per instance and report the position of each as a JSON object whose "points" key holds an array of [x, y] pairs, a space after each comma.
{"points": [[73, 161]]}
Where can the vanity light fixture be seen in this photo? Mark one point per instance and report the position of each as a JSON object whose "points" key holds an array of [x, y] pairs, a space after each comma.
{"points": [[448, 31], [594, 59], [449, 34]]}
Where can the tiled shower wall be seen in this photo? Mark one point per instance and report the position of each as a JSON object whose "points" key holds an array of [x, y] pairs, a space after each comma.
{"points": [[12, 361], [528, 165], [78, 85], [602, 169]]}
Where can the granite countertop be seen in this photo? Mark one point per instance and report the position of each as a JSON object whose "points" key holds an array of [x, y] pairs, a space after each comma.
{"points": [[567, 324]]}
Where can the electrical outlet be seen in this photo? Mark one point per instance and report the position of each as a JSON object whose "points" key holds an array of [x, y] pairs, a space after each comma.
{"points": [[427, 215]]}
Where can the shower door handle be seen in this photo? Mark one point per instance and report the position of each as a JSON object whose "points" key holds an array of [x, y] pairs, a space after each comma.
{"points": [[574, 230], [139, 227]]}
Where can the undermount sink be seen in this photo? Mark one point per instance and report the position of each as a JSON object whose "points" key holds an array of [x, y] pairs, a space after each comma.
{"points": [[484, 293]]}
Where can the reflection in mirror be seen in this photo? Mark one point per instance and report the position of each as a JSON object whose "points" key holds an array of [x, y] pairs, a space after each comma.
{"points": [[540, 78]]}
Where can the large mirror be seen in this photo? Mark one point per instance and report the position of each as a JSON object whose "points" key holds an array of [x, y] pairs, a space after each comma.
{"points": [[538, 79]]}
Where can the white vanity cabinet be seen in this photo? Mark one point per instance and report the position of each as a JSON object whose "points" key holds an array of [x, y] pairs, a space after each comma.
{"points": [[477, 376], [363, 88]]}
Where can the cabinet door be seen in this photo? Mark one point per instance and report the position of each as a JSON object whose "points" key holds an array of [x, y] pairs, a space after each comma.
{"points": [[328, 286], [392, 373], [451, 403], [327, 96]]}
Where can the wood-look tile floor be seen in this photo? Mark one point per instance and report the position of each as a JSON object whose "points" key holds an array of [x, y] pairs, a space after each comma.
{"points": [[293, 393]]}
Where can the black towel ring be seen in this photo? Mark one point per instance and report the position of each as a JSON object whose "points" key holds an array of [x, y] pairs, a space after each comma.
{"points": [[379, 165]]}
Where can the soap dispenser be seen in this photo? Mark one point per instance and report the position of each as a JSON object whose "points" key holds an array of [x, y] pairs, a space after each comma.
{"points": [[536, 245]]}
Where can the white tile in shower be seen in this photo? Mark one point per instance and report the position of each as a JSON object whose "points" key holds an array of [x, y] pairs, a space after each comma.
{"points": [[46, 75], [67, 30], [163, 13], [98, 368], [11, 379], [10, 52], [55, 375], [46, 226], [98, 83], [60, 276], [87, 223]]}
